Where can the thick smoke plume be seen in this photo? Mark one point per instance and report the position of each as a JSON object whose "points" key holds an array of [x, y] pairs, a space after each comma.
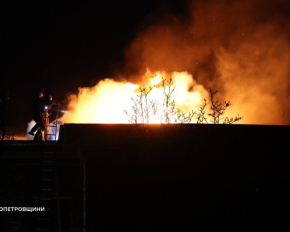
{"points": [[240, 48]]}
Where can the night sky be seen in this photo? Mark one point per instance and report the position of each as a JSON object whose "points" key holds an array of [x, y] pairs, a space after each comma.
{"points": [[56, 47]]}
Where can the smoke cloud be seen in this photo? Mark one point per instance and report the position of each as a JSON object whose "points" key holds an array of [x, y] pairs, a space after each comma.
{"points": [[240, 48]]}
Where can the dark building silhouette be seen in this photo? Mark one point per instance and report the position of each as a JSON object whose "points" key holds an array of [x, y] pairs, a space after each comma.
{"points": [[182, 177]]}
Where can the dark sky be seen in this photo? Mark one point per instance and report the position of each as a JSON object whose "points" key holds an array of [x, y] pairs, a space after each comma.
{"points": [[57, 47]]}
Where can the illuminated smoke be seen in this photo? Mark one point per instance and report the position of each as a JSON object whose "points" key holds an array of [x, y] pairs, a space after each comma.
{"points": [[29, 127], [240, 48]]}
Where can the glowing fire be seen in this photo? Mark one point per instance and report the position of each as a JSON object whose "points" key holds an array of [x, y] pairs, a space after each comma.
{"points": [[106, 102]]}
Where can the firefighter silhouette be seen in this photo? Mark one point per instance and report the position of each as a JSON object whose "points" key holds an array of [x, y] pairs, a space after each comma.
{"points": [[40, 108]]}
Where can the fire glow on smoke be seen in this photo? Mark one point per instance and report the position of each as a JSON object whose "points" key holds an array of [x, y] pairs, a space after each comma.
{"points": [[240, 48]]}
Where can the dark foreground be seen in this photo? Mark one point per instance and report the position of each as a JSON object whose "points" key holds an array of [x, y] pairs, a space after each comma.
{"points": [[151, 178]]}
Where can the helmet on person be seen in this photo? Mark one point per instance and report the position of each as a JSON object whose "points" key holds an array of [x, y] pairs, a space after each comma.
{"points": [[47, 99]]}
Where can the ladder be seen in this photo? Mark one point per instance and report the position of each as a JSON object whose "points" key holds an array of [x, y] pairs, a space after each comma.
{"points": [[48, 196], [47, 125], [49, 181], [47, 188]]}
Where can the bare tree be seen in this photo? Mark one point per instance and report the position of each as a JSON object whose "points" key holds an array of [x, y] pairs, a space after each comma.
{"points": [[232, 120], [168, 111], [218, 109], [133, 118], [200, 114], [144, 108]]}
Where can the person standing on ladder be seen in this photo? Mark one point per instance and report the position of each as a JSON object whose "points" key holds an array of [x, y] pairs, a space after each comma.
{"points": [[37, 113], [40, 107]]}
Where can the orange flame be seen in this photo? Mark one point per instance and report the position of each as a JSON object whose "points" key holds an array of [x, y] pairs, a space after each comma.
{"points": [[106, 102]]}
